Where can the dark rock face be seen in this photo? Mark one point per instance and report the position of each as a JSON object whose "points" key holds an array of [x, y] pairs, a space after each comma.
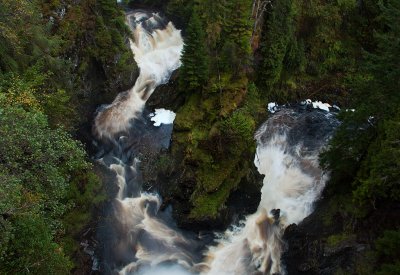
{"points": [[100, 89], [308, 250], [167, 95], [166, 174], [246, 198]]}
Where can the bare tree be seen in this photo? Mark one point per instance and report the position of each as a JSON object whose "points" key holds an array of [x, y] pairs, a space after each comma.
{"points": [[259, 7]]}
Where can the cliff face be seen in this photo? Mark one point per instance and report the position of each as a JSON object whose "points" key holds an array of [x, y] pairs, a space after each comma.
{"points": [[175, 174], [332, 240], [319, 245]]}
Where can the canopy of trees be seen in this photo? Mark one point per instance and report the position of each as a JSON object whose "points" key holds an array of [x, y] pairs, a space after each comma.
{"points": [[60, 59], [52, 55]]}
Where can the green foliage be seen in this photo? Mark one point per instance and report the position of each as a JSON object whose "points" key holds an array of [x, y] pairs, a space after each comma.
{"points": [[307, 44], [33, 250], [26, 151], [387, 249], [52, 55], [219, 117], [367, 141], [389, 244], [23, 40], [31, 92], [178, 11], [364, 155], [278, 34], [210, 205], [379, 173], [39, 167], [98, 41], [349, 146], [194, 71], [240, 126], [237, 30], [218, 143]]}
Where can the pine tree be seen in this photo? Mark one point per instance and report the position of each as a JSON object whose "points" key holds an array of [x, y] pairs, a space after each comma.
{"points": [[277, 32], [239, 25], [194, 70], [365, 149]]}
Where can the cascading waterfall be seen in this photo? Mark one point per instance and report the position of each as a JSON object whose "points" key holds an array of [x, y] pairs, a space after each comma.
{"points": [[157, 48], [137, 238], [288, 145]]}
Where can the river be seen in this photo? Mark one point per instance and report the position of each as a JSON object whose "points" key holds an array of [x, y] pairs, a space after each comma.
{"points": [[137, 237]]}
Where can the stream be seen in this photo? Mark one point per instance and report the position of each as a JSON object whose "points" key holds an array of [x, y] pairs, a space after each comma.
{"points": [[137, 237]]}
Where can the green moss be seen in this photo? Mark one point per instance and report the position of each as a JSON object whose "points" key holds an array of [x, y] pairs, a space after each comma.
{"points": [[199, 133], [337, 239], [215, 134], [190, 113], [212, 176], [198, 156], [208, 205], [163, 163], [233, 96]]}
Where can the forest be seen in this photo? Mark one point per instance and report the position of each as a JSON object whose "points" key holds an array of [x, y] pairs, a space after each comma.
{"points": [[61, 59]]}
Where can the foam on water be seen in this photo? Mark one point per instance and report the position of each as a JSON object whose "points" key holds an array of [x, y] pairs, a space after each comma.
{"points": [[157, 55], [162, 116], [287, 154], [139, 237], [142, 239]]}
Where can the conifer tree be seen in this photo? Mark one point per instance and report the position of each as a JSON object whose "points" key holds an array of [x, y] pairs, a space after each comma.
{"points": [[365, 149], [194, 70], [239, 25], [278, 30]]}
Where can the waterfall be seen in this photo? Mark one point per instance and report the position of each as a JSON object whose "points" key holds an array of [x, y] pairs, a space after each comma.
{"points": [[288, 145], [136, 237], [157, 48]]}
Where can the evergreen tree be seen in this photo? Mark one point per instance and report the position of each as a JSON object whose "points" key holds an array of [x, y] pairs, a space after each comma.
{"points": [[194, 70], [365, 150], [237, 30], [239, 25], [278, 30]]}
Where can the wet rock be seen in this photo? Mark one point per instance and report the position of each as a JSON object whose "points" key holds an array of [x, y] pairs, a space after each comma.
{"points": [[276, 214], [167, 95], [309, 252]]}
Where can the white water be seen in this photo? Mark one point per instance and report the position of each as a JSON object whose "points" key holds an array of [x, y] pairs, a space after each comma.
{"points": [[136, 223], [293, 181], [157, 55], [273, 107], [144, 241], [162, 116]]}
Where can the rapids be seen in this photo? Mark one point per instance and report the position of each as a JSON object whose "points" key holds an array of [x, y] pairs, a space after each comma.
{"points": [[288, 145], [136, 237], [157, 48]]}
